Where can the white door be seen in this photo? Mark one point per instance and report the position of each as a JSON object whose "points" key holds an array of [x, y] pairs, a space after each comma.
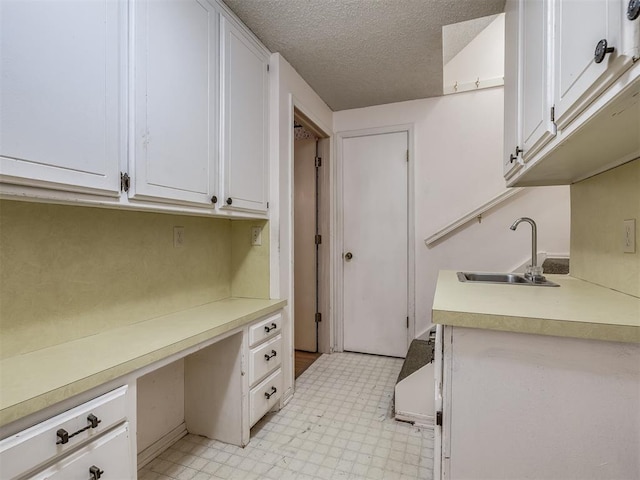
{"points": [[579, 26], [245, 120], [175, 101], [62, 94], [375, 249], [304, 261]]}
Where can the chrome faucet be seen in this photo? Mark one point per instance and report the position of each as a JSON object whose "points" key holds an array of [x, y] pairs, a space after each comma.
{"points": [[533, 272]]}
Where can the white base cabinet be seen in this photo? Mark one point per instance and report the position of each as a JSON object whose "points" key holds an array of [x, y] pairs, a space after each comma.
{"points": [[537, 407]]}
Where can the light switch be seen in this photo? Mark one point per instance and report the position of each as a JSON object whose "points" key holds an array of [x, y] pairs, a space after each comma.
{"points": [[629, 236]]}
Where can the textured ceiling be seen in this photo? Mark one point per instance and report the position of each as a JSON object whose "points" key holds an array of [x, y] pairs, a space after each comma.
{"points": [[357, 53]]}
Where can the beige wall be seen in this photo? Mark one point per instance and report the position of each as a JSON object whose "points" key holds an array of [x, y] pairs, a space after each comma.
{"points": [[67, 272], [598, 207]]}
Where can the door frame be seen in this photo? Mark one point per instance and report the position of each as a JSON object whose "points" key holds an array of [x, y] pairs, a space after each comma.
{"points": [[338, 219]]}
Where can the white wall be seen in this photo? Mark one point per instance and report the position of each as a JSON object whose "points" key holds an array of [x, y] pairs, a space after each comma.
{"points": [[458, 152], [287, 89], [482, 59]]}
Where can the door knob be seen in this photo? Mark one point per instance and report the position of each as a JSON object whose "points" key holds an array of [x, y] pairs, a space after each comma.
{"points": [[633, 9], [348, 256]]}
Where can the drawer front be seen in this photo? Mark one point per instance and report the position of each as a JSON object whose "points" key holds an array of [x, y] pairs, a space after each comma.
{"points": [[41, 443], [109, 455], [264, 396], [264, 359], [265, 329]]}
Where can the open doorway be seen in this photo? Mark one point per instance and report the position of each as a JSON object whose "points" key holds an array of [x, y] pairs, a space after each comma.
{"points": [[310, 249]]}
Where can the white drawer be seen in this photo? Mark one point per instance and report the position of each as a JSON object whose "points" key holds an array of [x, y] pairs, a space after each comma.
{"points": [[264, 359], [41, 443], [264, 396], [264, 329], [109, 455]]}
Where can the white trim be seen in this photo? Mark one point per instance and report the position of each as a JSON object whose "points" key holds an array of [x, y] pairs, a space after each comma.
{"points": [[473, 214], [337, 280], [159, 446]]}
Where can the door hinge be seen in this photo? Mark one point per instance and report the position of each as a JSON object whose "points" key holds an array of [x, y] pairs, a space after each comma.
{"points": [[318, 317], [318, 162], [267, 204], [125, 182], [267, 67], [553, 113], [439, 418], [318, 239], [407, 155], [407, 322]]}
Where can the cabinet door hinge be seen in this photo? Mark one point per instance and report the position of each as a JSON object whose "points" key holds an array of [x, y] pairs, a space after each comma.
{"points": [[439, 418], [407, 322], [318, 239], [553, 113], [267, 205], [267, 67], [318, 317], [318, 162], [125, 182], [407, 155]]}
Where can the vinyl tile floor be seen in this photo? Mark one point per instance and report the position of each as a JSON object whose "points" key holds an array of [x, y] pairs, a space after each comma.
{"points": [[339, 425]]}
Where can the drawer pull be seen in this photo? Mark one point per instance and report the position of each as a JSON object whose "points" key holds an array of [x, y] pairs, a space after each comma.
{"points": [[64, 436], [269, 357], [268, 328], [95, 472], [269, 395]]}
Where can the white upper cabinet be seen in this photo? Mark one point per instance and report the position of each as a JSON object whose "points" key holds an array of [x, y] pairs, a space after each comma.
{"points": [[536, 121], [512, 139], [581, 73], [63, 97], [174, 132], [577, 73], [245, 121]]}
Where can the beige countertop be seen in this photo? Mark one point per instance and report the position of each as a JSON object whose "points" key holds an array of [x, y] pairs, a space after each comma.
{"points": [[38, 379], [576, 309]]}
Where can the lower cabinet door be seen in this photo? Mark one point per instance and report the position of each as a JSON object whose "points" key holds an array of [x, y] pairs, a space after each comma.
{"points": [[264, 396], [109, 458]]}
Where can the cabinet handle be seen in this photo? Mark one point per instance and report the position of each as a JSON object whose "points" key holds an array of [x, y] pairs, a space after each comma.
{"points": [[518, 150], [512, 158], [269, 357], [267, 329], [229, 201], [64, 436], [633, 10], [602, 49], [95, 472], [214, 199], [269, 395]]}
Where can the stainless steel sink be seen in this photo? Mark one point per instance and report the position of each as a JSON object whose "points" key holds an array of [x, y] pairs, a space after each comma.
{"points": [[503, 278]]}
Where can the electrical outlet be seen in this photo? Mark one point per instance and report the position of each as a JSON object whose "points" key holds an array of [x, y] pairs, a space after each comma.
{"points": [[256, 236], [629, 236], [178, 237]]}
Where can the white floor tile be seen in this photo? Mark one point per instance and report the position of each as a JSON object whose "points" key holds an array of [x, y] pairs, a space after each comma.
{"points": [[338, 425]]}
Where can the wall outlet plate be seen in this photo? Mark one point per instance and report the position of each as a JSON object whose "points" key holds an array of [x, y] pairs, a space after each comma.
{"points": [[256, 236], [629, 236], [178, 237]]}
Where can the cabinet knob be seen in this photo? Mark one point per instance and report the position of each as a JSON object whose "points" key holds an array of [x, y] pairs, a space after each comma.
{"points": [[633, 9], [229, 201], [95, 473], [602, 49], [348, 256], [214, 199]]}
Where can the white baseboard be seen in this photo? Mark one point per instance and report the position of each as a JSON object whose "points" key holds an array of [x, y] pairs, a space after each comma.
{"points": [[425, 421], [159, 446]]}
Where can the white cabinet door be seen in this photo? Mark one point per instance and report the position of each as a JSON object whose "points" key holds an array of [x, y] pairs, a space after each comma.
{"points": [[579, 26], [176, 101], [245, 120], [62, 98], [512, 140], [536, 123]]}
